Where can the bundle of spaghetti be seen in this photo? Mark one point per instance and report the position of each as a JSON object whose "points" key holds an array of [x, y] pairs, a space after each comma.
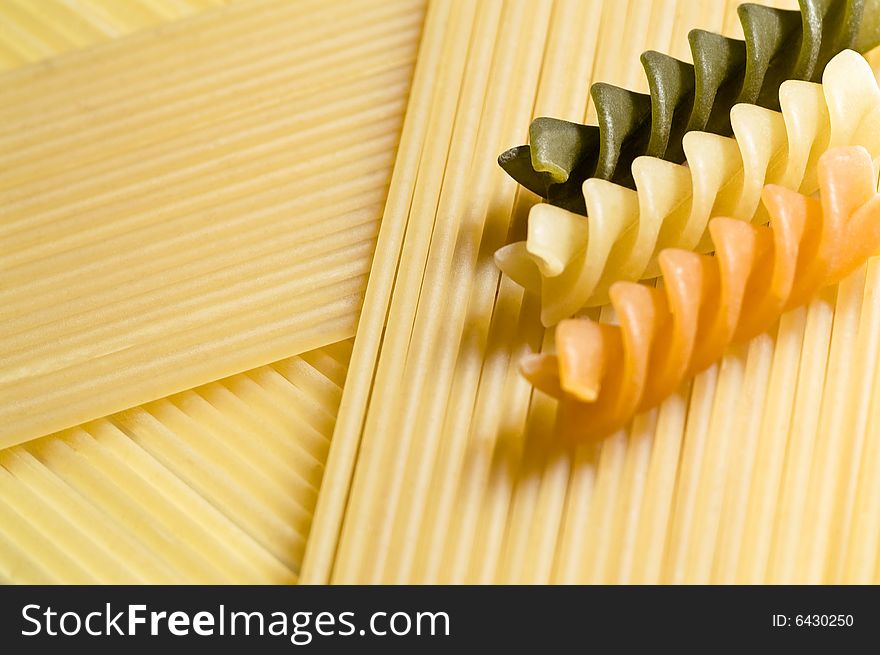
{"points": [[32, 31], [184, 219], [571, 261], [459, 478], [213, 485], [455, 440], [165, 528], [608, 373], [166, 516], [779, 45]]}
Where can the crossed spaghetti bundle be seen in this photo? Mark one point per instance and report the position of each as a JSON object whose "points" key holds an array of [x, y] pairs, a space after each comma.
{"points": [[571, 260], [779, 45], [606, 373]]}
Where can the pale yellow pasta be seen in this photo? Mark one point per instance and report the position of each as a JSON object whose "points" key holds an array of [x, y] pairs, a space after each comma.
{"points": [[442, 469], [467, 485], [276, 420], [440, 436], [213, 485], [32, 31], [183, 205]]}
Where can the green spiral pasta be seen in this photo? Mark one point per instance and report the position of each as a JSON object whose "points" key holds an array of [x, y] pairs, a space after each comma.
{"points": [[779, 45]]}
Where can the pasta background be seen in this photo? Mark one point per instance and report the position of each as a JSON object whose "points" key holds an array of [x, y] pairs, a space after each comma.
{"points": [[171, 208], [764, 469], [754, 473], [213, 485], [32, 31]]}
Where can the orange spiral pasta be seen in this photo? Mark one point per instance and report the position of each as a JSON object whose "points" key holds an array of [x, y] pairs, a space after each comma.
{"points": [[606, 373]]}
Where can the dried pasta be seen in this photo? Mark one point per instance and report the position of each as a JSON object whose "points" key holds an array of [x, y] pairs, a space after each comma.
{"points": [[178, 228], [213, 485], [607, 373], [33, 31], [571, 261], [764, 468], [460, 478]]}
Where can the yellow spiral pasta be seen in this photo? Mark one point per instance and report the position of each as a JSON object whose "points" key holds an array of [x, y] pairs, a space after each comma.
{"points": [[607, 373], [572, 260]]}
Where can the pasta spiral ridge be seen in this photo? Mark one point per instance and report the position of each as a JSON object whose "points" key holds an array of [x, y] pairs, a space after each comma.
{"points": [[606, 373], [779, 45], [571, 260]]}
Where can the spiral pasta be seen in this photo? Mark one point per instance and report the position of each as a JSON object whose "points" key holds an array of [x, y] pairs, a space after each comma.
{"points": [[606, 373], [779, 45], [572, 261]]}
